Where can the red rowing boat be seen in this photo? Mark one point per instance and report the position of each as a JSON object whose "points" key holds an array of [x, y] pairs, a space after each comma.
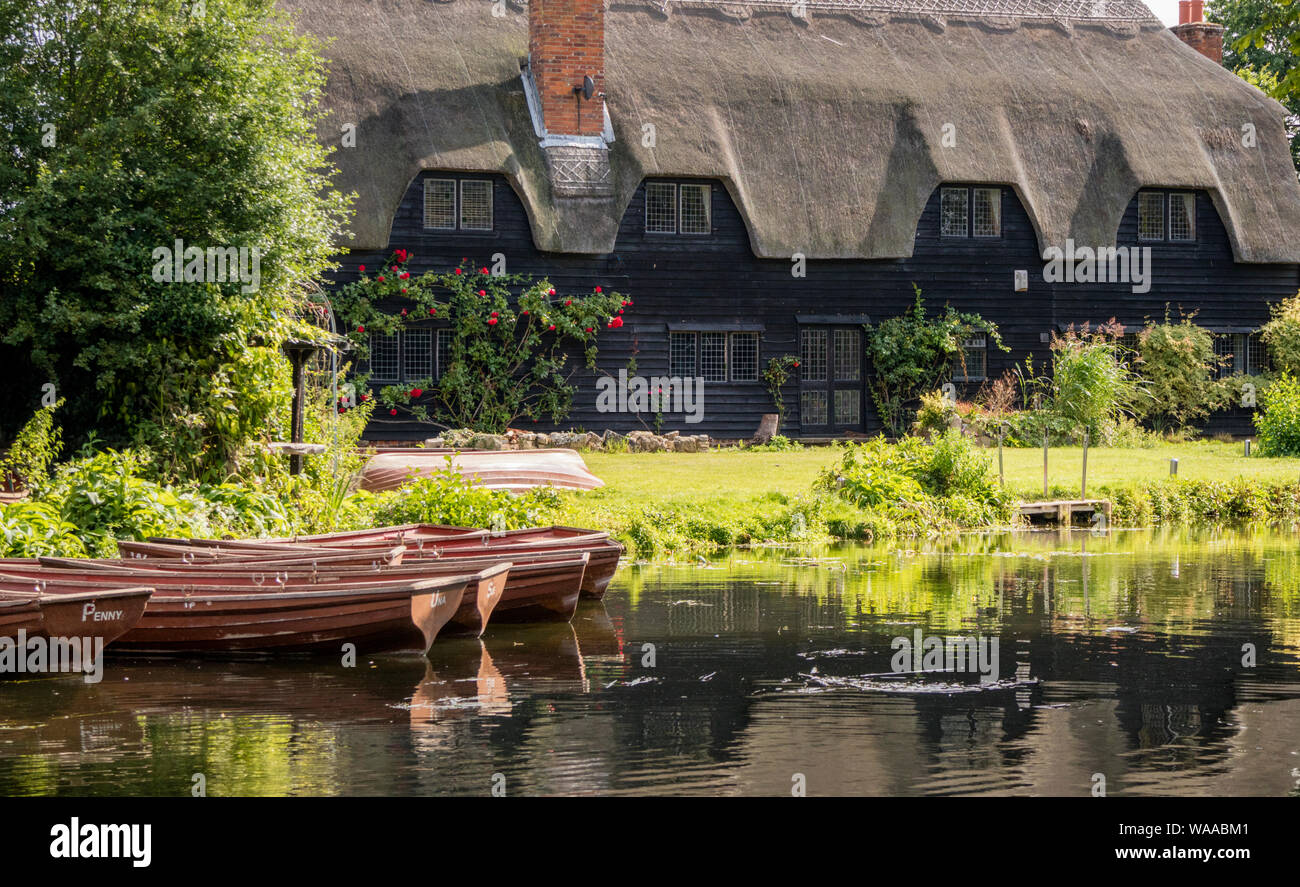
{"points": [[422, 542], [52, 610], [194, 616], [493, 579], [544, 586]]}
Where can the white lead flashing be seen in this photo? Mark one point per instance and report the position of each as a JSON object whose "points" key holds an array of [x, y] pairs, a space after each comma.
{"points": [[550, 139]]}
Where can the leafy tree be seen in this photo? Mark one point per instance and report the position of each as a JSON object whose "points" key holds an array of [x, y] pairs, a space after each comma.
{"points": [[511, 340], [913, 354], [1261, 44], [133, 125]]}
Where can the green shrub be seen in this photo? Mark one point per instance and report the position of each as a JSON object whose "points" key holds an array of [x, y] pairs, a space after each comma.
{"points": [[1278, 420], [37, 529], [1178, 366], [921, 486], [448, 497], [778, 444], [935, 414]]}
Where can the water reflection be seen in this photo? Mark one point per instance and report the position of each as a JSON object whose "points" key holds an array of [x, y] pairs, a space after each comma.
{"points": [[1132, 650]]}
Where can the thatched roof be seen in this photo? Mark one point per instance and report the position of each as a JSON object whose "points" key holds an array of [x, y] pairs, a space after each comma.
{"points": [[826, 129]]}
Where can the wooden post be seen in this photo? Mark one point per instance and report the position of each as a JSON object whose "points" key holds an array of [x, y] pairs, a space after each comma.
{"points": [[1044, 463], [1002, 477], [1083, 487]]}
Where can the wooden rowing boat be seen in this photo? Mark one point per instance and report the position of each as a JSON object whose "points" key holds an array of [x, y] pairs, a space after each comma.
{"points": [[388, 554], [54, 610], [424, 541], [493, 579], [541, 587], [196, 616], [513, 470]]}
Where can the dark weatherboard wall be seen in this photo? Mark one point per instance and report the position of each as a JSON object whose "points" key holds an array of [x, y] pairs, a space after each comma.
{"points": [[715, 283]]}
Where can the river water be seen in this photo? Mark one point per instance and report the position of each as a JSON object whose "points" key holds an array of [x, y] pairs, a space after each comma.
{"points": [[1148, 663]]}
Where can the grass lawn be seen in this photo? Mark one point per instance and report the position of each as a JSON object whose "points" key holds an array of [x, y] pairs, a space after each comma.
{"points": [[641, 478]]}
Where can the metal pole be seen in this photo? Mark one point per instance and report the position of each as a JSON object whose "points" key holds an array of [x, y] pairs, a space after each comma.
{"points": [[1083, 487], [1044, 463]]}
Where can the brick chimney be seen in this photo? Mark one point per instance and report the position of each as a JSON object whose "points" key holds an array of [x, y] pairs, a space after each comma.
{"points": [[566, 42], [1200, 35]]}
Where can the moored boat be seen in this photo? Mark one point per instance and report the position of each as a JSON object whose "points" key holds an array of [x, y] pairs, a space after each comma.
{"points": [[221, 616], [425, 541], [48, 609]]}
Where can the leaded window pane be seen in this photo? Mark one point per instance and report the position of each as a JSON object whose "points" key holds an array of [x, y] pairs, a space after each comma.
{"points": [[1151, 216], [661, 208], [713, 357], [812, 355], [681, 355], [695, 209], [848, 356], [954, 212], [440, 203], [476, 205]]}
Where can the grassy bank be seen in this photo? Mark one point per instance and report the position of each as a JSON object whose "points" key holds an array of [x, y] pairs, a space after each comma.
{"points": [[665, 504]]}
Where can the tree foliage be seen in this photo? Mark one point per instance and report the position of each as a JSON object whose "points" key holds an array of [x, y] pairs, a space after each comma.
{"points": [[1261, 44], [1282, 336], [133, 125]]}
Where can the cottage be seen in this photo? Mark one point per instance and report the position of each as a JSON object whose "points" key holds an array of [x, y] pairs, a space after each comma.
{"points": [[764, 177]]}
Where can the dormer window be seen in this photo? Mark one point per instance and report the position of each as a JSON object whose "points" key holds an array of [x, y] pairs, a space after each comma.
{"points": [[458, 204], [970, 212], [1166, 216], [678, 208]]}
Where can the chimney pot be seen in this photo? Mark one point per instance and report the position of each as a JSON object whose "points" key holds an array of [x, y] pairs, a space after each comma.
{"points": [[1184, 11], [1197, 11]]}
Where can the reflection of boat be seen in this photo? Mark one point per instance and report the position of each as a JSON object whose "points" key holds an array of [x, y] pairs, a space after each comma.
{"points": [[546, 653], [596, 633], [50, 609], [514, 470], [191, 614], [457, 679]]}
